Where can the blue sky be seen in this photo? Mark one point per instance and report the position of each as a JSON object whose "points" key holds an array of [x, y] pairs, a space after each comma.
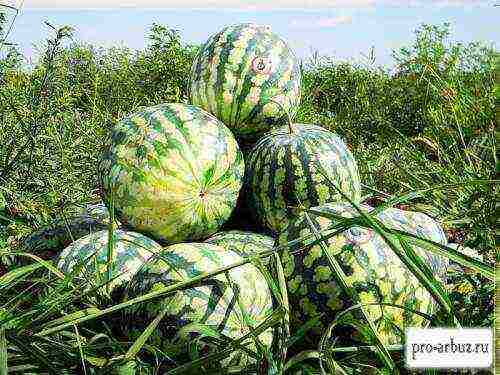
{"points": [[343, 29]]}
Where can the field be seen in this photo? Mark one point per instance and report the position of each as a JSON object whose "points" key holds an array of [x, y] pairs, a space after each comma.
{"points": [[424, 138]]}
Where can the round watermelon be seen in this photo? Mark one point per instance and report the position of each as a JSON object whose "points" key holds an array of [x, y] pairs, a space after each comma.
{"points": [[49, 241], [241, 242], [229, 303], [89, 255], [372, 269], [248, 77], [173, 172], [286, 169]]}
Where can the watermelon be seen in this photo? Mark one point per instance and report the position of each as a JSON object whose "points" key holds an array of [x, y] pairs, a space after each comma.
{"points": [[371, 267], [246, 76], [241, 242], [285, 169], [228, 303], [174, 172], [89, 255], [49, 241]]}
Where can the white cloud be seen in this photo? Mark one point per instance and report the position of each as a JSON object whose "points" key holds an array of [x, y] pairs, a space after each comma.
{"points": [[320, 23], [436, 3]]}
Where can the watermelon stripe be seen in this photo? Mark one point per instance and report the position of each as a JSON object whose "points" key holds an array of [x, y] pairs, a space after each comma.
{"points": [[271, 191], [187, 154], [224, 83], [220, 68], [247, 80], [271, 83], [237, 89], [206, 77], [288, 189], [263, 193], [307, 157]]}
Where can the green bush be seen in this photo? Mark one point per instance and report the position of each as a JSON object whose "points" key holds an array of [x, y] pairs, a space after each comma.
{"points": [[55, 116]]}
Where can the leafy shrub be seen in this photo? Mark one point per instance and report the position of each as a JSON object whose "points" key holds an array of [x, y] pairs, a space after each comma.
{"points": [[55, 116]]}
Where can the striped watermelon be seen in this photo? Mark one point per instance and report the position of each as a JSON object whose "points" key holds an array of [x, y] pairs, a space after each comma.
{"points": [[371, 267], [284, 170], [240, 72], [50, 240], [130, 251], [174, 171], [212, 302], [241, 242]]}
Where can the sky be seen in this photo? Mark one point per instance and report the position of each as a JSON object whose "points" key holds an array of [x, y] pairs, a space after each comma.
{"points": [[343, 29]]}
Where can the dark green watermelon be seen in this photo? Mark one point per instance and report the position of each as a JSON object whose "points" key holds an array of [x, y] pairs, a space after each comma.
{"points": [[371, 267], [246, 76], [284, 170]]}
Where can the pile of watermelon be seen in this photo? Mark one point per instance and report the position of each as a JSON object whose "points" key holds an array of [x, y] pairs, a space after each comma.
{"points": [[223, 183]]}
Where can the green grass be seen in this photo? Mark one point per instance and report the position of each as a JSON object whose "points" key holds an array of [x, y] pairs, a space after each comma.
{"points": [[424, 139]]}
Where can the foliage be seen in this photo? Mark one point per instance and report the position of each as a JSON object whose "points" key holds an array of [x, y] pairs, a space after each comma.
{"points": [[55, 117], [433, 122]]}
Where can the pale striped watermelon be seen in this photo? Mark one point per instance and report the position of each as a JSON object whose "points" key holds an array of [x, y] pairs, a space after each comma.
{"points": [[369, 264], [239, 72], [285, 169], [174, 172], [90, 254], [231, 303]]}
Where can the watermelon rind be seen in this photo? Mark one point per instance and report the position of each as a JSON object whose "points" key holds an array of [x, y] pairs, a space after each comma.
{"points": [[230, 303], [288, 169], [87, 259]]}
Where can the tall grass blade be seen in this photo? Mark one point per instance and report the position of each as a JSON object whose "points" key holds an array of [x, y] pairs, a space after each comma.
{"points": [[341, 280], [163, 291], [143, 338], [301, 357], [17, 275], [111, 244], [3, 353], [407, 255]]}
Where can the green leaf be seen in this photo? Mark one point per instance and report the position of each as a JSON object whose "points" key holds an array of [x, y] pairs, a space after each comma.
{"points": [[73, 316], [3, 353], [143, 338], [17, 274], [128, 368], [301, 357], [3, 202], [450, 253]]}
